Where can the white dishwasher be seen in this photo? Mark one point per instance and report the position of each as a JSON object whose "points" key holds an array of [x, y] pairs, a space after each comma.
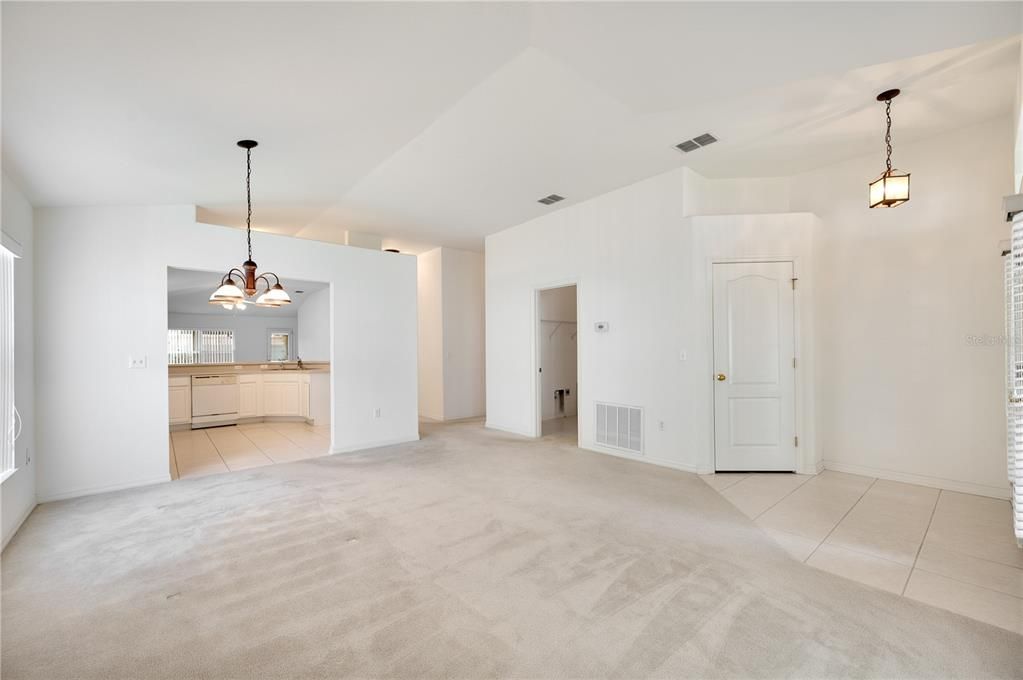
{"points": [[214, 400]]}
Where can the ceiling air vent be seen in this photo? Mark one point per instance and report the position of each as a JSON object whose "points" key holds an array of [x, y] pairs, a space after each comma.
{"points": [[696, 142], [553, 198]]}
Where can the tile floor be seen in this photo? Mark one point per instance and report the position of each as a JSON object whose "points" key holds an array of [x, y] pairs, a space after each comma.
{"points": [[951, 550], [195, 453]]}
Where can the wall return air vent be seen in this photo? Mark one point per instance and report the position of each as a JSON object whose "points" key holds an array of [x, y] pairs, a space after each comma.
{"points": [[695, 143], [620, 427], [553, 198]]}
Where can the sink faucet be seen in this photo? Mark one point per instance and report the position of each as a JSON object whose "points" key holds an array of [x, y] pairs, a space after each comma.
{"points": [[299, 363]]}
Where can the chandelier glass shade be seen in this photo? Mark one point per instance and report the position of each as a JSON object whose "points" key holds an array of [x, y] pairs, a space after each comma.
{"points": [[891, 189], [238, 286]]}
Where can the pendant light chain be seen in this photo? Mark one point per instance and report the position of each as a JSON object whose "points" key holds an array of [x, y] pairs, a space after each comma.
{"points": [[232, 293], [249, 198], [888, 135]]}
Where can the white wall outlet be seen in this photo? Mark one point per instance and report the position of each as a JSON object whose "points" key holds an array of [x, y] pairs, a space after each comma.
{"points": [[682, 356], [660, 425], [138, 362], [376, 413], [602, 326]]}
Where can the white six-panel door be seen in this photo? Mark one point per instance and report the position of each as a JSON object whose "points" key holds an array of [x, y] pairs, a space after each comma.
{"points": [[754, 367]]}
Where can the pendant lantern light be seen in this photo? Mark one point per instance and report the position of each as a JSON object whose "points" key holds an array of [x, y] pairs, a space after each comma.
{"points": [[231, 294], [891, 189]]}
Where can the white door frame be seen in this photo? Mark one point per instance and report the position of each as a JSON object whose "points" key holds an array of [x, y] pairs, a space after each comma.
{"points": [[536, 351], [805, 457]]}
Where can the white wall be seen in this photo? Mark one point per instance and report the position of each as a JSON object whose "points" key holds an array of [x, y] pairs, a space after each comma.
{"points": [[451, 334], [890, 383], [106, 425], [558, 350], [18, 492], [431, 335], [251, 332], [313, 326], [904, 393], [464, 336]]}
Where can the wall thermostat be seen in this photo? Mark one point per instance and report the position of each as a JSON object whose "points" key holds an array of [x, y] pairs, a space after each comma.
{"points": [[601, 326]]}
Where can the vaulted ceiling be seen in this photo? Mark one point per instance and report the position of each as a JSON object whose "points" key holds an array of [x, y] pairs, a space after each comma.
{"points": [[440, 123]]}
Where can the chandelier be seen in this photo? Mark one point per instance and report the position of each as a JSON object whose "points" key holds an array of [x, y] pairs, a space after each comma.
{"points": [[891, 189], [234, 295]]}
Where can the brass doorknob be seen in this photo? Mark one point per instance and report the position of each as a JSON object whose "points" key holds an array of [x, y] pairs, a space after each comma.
{"points": [[721, 376]]}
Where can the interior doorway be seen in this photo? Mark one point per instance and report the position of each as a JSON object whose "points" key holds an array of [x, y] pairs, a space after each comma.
{"points": [[754, 366], [248, 385], [558, 355]]}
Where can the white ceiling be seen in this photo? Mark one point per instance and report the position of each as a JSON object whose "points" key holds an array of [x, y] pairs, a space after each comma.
{"points": [[437, 124], [188, 292]]}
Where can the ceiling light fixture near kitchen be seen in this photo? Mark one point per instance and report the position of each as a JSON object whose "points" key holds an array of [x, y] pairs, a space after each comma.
{"points": [[891, 189], [230, 294]]}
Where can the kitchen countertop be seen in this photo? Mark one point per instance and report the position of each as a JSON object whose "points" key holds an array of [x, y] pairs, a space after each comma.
{"points": [[249, 368]]}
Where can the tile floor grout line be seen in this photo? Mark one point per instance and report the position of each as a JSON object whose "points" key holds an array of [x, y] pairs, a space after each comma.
{"points": [[257, 446], [968, 583], [727, 486], [842, 519], [923, 540], [798, 486], [217, 449]]}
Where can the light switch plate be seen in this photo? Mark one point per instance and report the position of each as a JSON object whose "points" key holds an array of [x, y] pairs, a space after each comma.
{"points": [[138, 362], [601, 326]]}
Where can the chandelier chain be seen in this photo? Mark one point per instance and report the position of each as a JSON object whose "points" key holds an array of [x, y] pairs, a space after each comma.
{"points": [[249, 199], [888, 135]]}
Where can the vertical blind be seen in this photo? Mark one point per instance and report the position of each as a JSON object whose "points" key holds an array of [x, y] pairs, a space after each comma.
{"points": [[7, 417], [1014, 372], [198, 346]]}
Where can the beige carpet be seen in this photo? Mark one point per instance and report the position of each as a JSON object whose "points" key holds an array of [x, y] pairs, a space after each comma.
{"points": [[469, 554]]}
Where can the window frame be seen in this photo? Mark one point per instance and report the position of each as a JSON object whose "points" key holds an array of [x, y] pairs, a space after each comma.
{"points": [[270, 332]]}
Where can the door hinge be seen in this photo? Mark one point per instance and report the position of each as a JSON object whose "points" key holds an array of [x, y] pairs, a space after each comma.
{"points": [[794, 283], [797, 440], [793, 362]]}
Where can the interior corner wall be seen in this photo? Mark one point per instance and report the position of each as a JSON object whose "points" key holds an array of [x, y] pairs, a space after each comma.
{"points": [[910, 320], [462, 290], [18, 491], [106, 425], [742, 196], [643, 267], [429, 295], [313, 326]]}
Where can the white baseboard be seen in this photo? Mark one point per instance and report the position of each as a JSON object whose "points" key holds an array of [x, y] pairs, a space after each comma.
{"points": [[510, 430], [659, 462], [373, 445], [92, 490], [17, 525], [920, 480]]}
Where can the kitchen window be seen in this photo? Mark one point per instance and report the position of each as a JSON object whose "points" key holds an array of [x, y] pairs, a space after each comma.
{"points": [[199, 346], [279, 346]]}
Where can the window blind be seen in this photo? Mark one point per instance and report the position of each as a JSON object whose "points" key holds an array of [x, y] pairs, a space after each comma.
{"points": [[1014, 373], [7, 417], [199, 346]]}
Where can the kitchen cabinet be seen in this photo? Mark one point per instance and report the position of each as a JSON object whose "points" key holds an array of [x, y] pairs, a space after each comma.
{"points": [[180, 401], [304, 390], [281, 395], [249, 393]]}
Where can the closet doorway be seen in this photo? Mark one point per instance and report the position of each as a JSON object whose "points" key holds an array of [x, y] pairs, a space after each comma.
{"points": [[557, 351]]}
